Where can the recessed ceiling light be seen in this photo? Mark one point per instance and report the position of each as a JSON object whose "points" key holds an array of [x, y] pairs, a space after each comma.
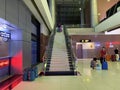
{"points": [[99, 14], [108, 0], [80, 9]]}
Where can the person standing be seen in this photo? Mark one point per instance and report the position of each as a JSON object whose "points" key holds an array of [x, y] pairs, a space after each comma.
{"points": [[116, 54], [59, 27], [102, 55]]}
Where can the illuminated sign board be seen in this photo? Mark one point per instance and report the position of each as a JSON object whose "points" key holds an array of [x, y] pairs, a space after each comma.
{"points": [[85, 40], [5, 34], [4, 63]]}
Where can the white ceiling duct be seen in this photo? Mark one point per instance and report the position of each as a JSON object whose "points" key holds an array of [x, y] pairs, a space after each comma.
{"points": [[39, 11]]}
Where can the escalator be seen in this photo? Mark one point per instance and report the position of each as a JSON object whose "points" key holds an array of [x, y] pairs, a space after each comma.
{"points": [[59, 60]]}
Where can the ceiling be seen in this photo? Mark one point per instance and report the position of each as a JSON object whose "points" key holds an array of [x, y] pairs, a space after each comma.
{"points": [[68, 11]]}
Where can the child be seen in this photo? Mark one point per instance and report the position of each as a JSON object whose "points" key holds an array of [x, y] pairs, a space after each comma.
{"points": [[93, 63]]}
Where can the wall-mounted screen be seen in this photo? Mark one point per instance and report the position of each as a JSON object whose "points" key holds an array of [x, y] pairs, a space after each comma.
{"points": [[5, 34]]}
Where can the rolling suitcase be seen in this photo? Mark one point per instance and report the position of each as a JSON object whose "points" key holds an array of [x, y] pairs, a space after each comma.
{"points": [[35, 69], [25, 75], [31, 75], [105, 66]]}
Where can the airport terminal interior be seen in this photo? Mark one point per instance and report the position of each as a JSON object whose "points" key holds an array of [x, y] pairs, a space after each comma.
{"points": [[59, 44]]}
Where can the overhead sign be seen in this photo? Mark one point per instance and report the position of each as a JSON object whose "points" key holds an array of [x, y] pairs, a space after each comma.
{"points": [[85, 40]]}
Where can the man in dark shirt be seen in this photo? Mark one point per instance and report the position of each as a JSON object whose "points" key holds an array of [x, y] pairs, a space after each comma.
{"points": [[116, 54]]}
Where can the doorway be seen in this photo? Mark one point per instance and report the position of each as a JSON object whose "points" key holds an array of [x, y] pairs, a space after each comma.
{"points": [[85, 50]]}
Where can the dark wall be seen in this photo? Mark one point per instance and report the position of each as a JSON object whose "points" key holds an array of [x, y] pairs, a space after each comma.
{"points": [[37, 24], [87, 14]]}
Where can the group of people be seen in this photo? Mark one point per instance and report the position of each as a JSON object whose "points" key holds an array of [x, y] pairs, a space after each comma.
{"points": [[103, 53], [103, 57]]}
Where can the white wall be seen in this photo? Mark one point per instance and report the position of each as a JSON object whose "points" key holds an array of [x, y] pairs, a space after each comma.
{"points": [[53, 12], [114, 32], [81, 31]]}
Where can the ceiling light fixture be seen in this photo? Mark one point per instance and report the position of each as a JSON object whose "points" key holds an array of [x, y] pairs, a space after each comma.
{"points": [[99, 14], [80, 9]]}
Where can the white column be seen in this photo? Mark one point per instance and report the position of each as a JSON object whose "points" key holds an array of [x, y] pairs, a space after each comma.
{"points": [[94, 15], [52, 10], [50, 6], [44, 30]]}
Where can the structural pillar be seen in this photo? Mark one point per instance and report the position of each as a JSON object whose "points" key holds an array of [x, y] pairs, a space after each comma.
{"points": [[94, 15], [50, 6], [82, 17], [52, 9], [53, 12]]}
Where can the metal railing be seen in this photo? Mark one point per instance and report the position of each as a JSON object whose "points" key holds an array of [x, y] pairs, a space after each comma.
{"points": [[48, 52], [69, 48]]}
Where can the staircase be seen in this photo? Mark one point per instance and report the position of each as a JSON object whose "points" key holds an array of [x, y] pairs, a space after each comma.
{"points": [[59, 61]]}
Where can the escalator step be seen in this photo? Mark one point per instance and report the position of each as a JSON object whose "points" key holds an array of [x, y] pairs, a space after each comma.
{"points": [[57, 73]]}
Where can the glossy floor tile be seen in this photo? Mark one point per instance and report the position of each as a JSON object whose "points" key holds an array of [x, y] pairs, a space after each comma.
{"points": [[88, 80]]}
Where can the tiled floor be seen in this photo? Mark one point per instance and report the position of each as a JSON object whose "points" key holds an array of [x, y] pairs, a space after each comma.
{"points": [[89, 79]]}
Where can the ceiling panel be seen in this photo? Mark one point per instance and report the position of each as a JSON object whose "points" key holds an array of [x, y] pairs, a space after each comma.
{"points": [[68, 11]]}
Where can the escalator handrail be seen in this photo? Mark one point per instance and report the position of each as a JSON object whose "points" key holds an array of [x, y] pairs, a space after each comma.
{"points": [[68, 42], [48, 49]]}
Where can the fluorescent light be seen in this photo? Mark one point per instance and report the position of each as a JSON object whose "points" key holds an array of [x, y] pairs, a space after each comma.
{"points": [[99, 14]]}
